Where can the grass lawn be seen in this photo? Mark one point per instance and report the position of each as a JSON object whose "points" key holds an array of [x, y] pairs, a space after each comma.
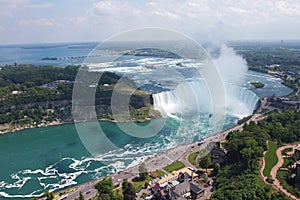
{"points": [[140, 184], [174, 166], [270, 158], [160, 173], [157, 173], [192, 158]]}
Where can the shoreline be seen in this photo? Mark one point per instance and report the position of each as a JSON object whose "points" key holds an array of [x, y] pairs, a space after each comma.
{"points": [[162, 159], [59, 123]]}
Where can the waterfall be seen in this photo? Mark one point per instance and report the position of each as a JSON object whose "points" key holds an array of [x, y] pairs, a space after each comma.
{"points": [[241, 101], [193, 98], [187, 98]]}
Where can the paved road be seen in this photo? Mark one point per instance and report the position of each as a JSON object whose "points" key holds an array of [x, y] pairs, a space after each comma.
{"points": [[87, 190], [277, 167]]}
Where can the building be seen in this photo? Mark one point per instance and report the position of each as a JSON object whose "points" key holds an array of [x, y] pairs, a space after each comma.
{"points": [[218, 155], [297, 177], [297, 150], [54, 84], [186, 190], [284, 103], [187, 171], [178, 185]]}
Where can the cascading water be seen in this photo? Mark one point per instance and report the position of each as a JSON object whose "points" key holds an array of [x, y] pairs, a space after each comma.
{"points": [[188, 98], [192, 98], [241, 101]]}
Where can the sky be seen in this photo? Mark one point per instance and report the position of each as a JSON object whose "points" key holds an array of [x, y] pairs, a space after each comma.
{"points": [[39, 21]]}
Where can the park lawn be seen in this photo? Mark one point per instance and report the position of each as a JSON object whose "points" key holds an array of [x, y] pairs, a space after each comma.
{"points": [[157, 174], [138, 185], [174, 166], [160, 173], [270, 158], [192, 158]]}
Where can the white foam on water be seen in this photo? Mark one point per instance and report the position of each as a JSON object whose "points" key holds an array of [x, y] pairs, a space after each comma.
{"points": [[114, 160], [6, 195]]}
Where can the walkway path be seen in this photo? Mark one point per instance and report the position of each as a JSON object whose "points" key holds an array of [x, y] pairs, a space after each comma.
{"points": [[274, 170], [263, 164]]}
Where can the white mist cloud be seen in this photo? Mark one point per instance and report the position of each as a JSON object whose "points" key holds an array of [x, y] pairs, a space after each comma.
{"points": [[232, 67]]}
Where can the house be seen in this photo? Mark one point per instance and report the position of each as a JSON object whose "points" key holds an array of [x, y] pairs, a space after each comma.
{"points": [[218, 155], [187, 171], [170, 177], [186, 190], [297, 150], [160, 192], [178, 185], [54, 84], [297, 177]]}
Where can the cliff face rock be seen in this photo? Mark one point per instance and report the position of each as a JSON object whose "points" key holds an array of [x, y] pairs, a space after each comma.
{"points": [[139, 101], [138, 107], [102, 106]]}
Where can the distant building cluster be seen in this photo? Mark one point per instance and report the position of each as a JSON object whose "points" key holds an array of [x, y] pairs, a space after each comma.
{"points": [[284, 103], [54, 84]]}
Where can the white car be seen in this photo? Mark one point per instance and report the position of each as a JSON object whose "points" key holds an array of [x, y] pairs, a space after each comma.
{"points": [[190, 168]]}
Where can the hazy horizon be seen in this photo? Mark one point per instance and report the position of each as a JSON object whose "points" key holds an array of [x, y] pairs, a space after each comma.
{"points": [[34, 21], [265, 41]]}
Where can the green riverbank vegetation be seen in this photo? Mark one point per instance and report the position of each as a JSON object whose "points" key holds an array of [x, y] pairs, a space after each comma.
{"points": [[34, 96], [239, 178]]}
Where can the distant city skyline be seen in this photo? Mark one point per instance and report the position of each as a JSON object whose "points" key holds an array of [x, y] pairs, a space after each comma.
{"points": [[38, 21]]}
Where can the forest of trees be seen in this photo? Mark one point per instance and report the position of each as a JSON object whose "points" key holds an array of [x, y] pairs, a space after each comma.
{"points": [[28, 79], [239, 177], [27, 92]]}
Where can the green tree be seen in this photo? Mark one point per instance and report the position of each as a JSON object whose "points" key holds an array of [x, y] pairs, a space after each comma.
{"points": [[81, 196], [49, 195], [217, 168], [128, 190], [105, 188], [143, 172], [205, 162]]}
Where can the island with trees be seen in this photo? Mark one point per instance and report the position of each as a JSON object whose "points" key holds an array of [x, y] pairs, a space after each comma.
{"points": [[257, 84]]}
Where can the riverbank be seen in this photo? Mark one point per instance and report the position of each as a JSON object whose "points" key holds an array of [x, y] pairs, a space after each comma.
{"points": [[6, 128], [157, 162]]}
